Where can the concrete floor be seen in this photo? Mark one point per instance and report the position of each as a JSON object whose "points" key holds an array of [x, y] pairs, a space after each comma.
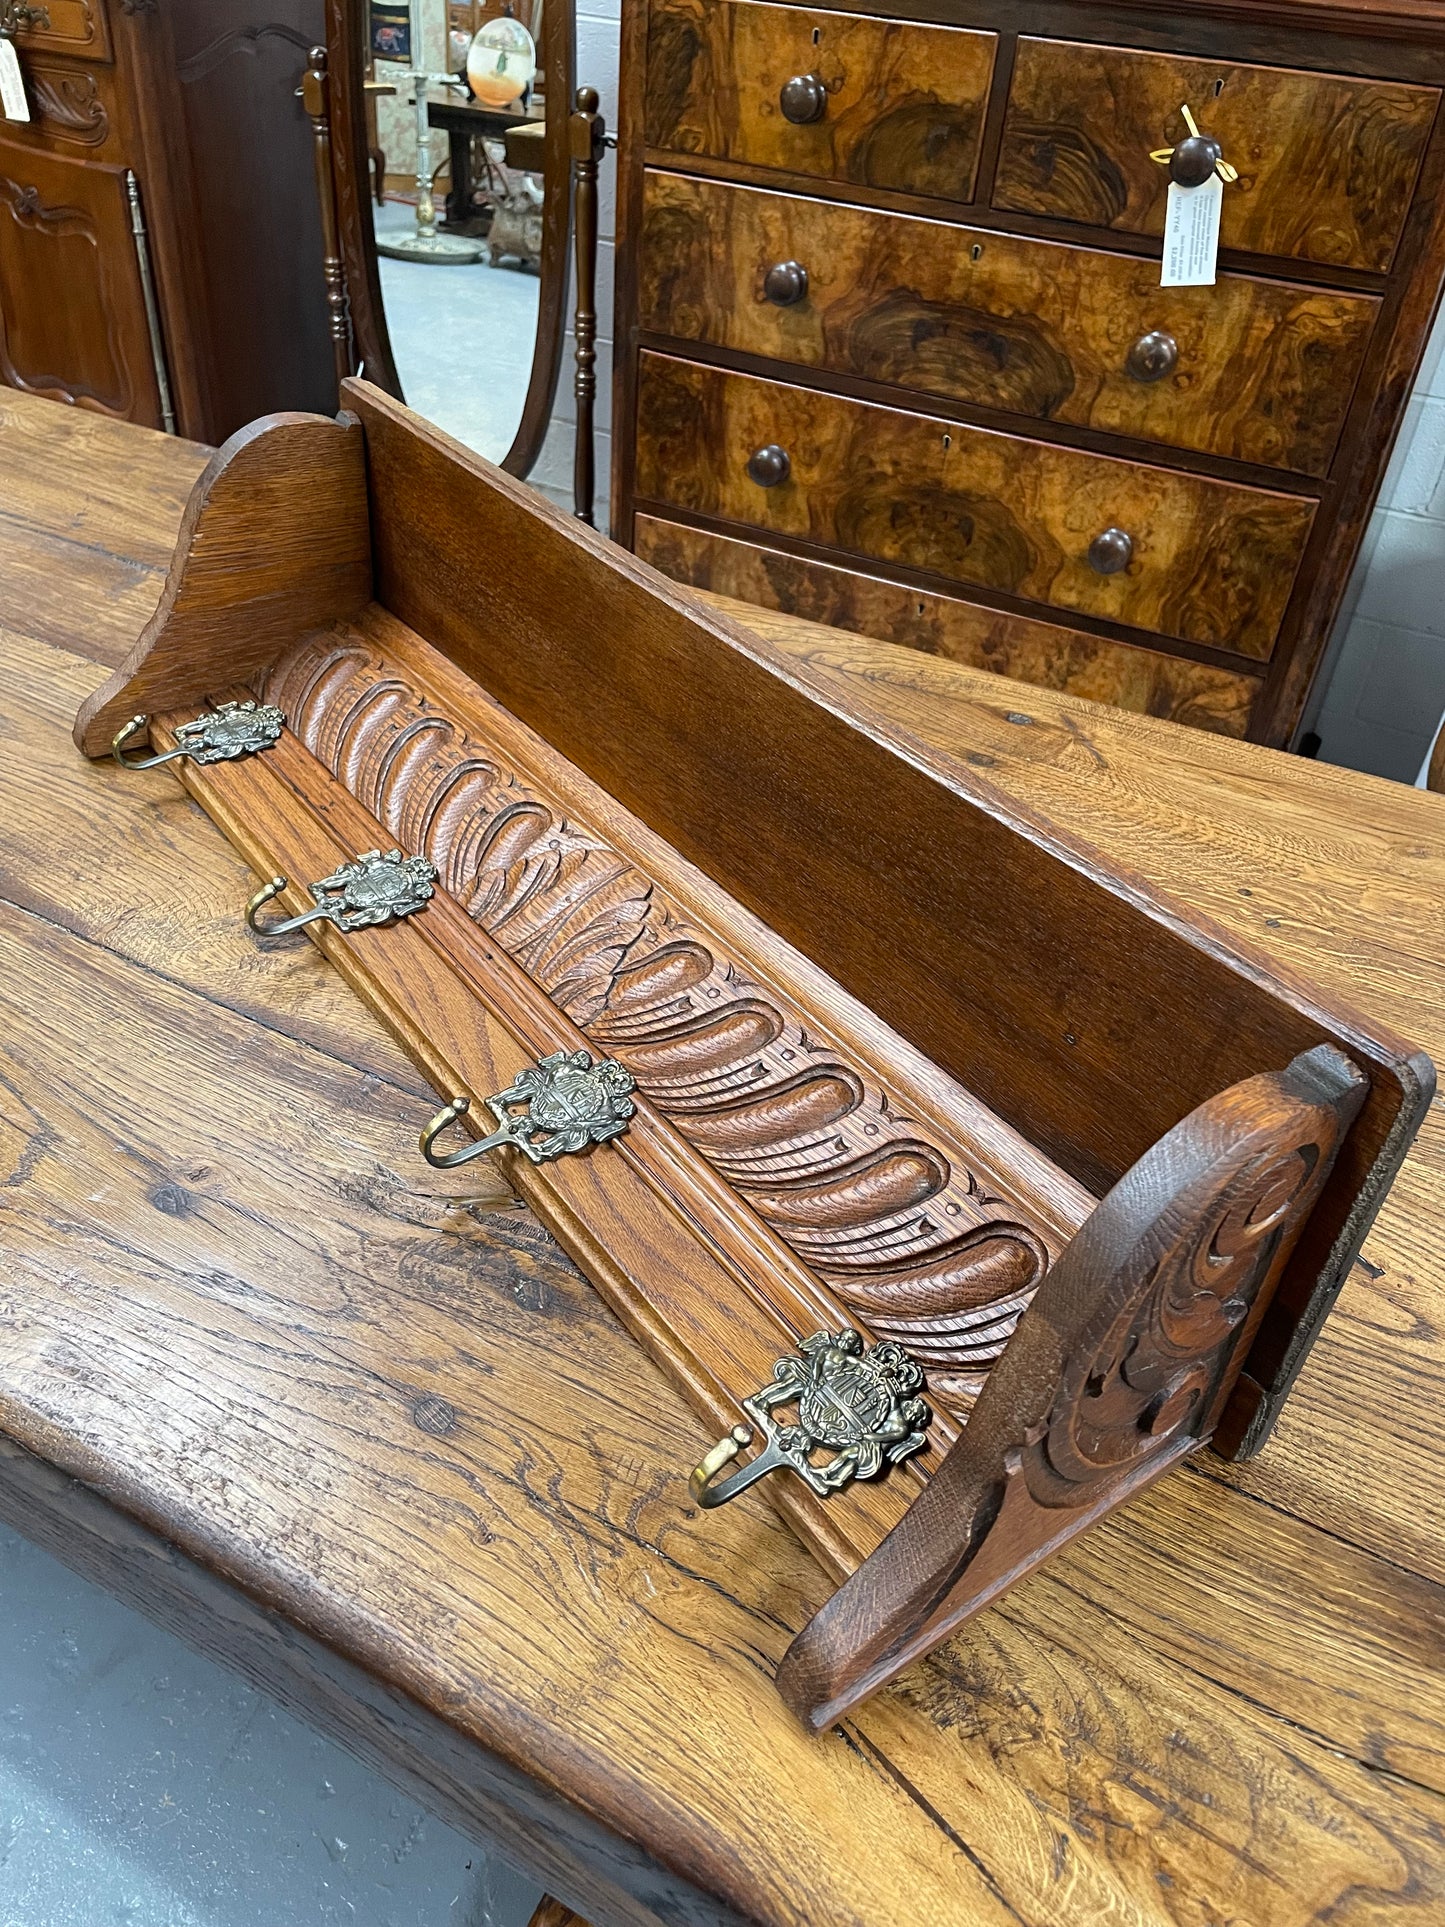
{"points": [[143, 1786], [462, 338]]}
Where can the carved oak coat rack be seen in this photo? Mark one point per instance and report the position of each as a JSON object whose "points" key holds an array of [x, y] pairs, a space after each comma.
{"points": [[1010, 1181]]}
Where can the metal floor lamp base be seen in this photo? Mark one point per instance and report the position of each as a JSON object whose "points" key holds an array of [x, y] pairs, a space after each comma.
{"points": [[447, 249]]}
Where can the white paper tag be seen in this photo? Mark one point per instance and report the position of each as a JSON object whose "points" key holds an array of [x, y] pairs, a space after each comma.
{"points": [[12, 83], [1191, 234]]}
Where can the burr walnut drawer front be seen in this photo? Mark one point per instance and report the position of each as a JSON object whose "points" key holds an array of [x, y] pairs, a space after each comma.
{"points": [[1327, 164], [882, 103], [1149, 681], [1254, 369], [1181, 555]]}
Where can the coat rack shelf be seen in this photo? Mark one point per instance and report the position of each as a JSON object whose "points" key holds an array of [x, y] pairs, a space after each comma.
{"points": [[946, 1169]]}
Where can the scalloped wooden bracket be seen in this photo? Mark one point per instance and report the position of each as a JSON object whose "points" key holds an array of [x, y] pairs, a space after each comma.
{"points": [[1120, 1367], [275, 541]]}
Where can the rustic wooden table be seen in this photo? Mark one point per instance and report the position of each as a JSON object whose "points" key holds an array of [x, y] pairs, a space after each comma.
{"points": [[361, 1431]]}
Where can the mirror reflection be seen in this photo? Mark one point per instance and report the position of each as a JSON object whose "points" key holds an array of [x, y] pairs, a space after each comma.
{"points": [[456, 105]]}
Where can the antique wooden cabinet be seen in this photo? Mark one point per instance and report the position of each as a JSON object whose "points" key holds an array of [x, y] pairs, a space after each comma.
{"points": [[893, 353], [160, 249]]}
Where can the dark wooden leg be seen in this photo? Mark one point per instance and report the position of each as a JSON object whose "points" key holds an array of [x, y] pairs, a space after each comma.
{"points": [[589, 137], [459, 195]]}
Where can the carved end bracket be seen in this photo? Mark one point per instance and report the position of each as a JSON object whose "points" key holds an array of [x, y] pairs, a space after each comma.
{"points": [[275, 542], [1120, 1366]]}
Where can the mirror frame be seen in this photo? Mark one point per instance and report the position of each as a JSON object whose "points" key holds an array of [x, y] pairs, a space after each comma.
{"points": [[347, 40]]}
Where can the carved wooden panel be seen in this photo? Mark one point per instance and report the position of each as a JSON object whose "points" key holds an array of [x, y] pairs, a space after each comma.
{"points": [[904, 107], [77, 27], [250, 147], [910, 1230], [65, 224], [1037, 652], [1327, 164], [1211, 561], [1264, 371]]}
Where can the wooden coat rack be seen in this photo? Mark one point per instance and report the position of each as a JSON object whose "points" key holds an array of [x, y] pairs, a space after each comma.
{"points": [[908, 1064]]}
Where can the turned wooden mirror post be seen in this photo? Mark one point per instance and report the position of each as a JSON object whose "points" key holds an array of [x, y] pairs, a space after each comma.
{"points": [[353, 280]]}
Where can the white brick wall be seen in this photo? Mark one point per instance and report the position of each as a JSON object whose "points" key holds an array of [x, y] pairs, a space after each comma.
{"points": [[1381, 696]]}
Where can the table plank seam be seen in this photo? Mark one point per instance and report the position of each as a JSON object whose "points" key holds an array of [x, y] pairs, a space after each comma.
{"points": [[1271, 1715], [156, 975], [1200, 1468], [132, 563], [859, 1744]]}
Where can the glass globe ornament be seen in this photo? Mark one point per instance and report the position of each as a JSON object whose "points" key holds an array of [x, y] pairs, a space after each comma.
{"points": [[502, 61]]}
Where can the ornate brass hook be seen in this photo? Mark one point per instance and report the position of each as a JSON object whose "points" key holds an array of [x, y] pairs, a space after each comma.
{"points": [[219, 736], [373, 890], [15, 15], [857, 1402], [560, 1104]]}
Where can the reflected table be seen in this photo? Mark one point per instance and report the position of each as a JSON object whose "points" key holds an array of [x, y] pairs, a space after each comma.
{"points": [[462, 121]]}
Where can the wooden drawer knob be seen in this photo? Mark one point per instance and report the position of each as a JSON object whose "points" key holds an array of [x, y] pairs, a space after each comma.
{"points": [[1194, 160], [769, 466], [785, 282], [1109, 552], [804, 98], [1153, 356]]}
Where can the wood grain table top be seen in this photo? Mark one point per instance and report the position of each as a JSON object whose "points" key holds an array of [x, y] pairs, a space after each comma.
{"points": [[360, 1429]]}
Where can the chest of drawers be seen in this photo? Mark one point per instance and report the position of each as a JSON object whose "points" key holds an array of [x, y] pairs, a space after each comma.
{"points": [[893, 353]]}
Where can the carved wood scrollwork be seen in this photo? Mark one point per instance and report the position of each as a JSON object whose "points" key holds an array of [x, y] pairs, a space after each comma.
{"points": [[69, 104], [1120, 1366], [1142, 1371], [914, 1242], [245, 41]]}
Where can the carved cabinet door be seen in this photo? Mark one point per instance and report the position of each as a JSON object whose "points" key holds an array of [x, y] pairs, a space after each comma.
{"points": [[72, 312]]}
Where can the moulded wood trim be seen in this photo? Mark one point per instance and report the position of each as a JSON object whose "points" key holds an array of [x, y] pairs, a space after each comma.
{"points": [[1240, 26]]}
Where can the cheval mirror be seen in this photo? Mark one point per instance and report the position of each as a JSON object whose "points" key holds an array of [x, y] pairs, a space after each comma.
{"points": [[444, 167]]}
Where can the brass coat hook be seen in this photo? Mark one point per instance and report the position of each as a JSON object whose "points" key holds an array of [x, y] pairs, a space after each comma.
{"points": [[219, 736], [560, 1104], [15, 15], [373, 890], [858, 1403]]}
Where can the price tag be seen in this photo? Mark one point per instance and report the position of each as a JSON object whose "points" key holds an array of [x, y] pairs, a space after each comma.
{"points": [[1191, 234], [12, 83]]}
